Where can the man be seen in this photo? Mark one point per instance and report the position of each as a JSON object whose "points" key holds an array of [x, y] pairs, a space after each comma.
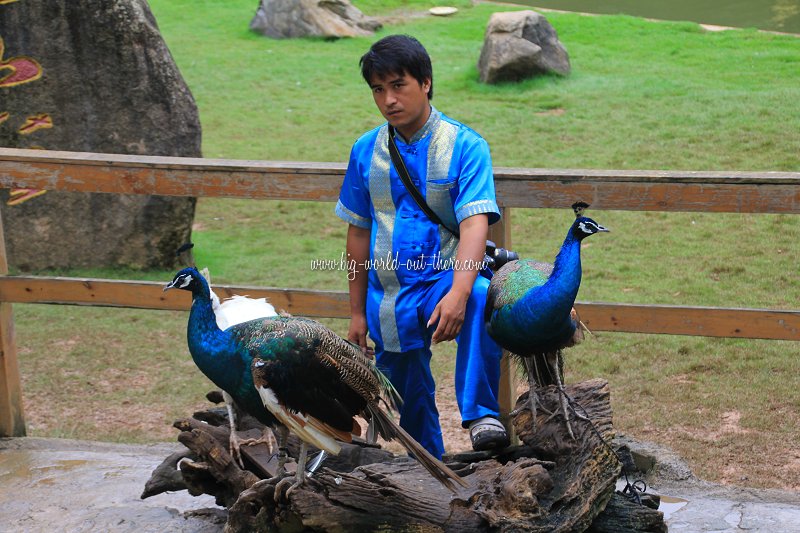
{"points": [[423, 284]]}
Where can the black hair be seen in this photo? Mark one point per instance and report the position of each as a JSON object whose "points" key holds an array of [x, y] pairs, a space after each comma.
{"points": [[398, 54]]}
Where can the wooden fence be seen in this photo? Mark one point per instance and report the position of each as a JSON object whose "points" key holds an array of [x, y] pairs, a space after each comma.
{"points": [[735, 192]]}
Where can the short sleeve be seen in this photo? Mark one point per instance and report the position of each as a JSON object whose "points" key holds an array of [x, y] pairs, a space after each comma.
{"points": [[476, 193], [354, 203]]}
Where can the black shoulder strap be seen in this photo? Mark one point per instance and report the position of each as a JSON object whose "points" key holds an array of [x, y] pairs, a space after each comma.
{"points": [[402, 171]]}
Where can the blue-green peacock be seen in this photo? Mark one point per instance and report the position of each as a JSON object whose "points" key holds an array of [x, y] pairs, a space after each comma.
{"points": [[309, 379], [231, 311], [530, 312]]}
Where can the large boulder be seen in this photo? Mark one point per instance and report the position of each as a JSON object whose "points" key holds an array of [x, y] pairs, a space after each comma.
{"points": [[519, 45], [91, 76], [282, 19]]}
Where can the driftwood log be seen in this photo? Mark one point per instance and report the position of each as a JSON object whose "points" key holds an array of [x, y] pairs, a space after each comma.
{"points": [[548, 483]]}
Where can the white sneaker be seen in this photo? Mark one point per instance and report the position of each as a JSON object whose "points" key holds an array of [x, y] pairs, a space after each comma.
{"points": [[488, 433]]}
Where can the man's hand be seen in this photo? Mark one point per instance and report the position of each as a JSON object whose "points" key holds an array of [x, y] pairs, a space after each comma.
{"points": [[357, 333], [451, 309], [450, 313]]}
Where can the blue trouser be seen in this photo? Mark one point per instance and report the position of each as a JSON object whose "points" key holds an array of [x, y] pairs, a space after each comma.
{"points": [[477, 375]]}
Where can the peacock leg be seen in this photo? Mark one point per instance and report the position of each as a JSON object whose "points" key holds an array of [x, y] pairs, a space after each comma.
{"points": [[539, 381], [556, 364], [235, 444], [532, 392], [300, 477], [267, 437], [282, 435]]}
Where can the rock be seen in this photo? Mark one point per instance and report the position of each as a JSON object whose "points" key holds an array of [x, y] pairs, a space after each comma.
{"points": [[519, 45], [92, 77], [622, 514], [655, 461], [282, 19]]}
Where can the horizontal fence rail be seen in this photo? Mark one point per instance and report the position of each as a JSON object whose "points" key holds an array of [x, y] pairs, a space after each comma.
{"points": [[733, 192], [630, 318], [674, 191]]}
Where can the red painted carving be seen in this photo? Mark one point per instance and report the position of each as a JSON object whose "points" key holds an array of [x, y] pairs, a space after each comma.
{"points": [[36, 122], [17, 70]]}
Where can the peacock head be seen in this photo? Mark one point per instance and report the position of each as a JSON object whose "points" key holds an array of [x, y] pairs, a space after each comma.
{"points": [[585, 226], [189, 279]]}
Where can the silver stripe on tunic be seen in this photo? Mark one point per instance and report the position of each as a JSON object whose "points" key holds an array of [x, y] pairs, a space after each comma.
{"points": [[478, 207], [380, 190], [440, 154]]}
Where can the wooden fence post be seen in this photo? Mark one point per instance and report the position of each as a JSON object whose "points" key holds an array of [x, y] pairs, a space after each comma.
{"points": [[500, 233], [12, 420]]}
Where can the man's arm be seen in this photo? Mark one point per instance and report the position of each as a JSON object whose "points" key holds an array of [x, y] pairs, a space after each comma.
{"points": [[358, 252], [469, 258]]}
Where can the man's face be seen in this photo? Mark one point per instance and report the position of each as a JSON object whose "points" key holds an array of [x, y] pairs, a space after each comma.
{"points": [[402, 100]]}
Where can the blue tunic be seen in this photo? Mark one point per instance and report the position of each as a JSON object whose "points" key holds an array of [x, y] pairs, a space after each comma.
{"points": [[451, 166], [412, 265]]}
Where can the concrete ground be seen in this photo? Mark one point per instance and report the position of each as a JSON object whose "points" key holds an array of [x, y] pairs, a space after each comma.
{"points": [[719, 509], [76, 486], [66, 485]]}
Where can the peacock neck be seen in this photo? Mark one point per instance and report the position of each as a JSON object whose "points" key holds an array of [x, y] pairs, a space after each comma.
{"points": [[209, 346], [561, 288]]}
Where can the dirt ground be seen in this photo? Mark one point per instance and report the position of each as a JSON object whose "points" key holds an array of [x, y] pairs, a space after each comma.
{"points": [[777, 466]]}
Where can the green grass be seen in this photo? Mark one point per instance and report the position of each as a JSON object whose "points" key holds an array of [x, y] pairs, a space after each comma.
{"points": [[642, 95]]}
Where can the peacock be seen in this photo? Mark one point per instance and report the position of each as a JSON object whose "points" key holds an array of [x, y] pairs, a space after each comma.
{"points": [[226, 357], [530, 313]]}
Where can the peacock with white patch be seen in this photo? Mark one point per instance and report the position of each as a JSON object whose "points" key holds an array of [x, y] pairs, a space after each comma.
{"points": [[313, 382], [229, 312]]}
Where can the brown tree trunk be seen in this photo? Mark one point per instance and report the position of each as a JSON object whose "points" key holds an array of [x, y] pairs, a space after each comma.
{"points": [[550, 483]]}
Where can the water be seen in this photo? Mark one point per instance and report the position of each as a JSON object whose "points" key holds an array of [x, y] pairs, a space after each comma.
{"points": [[670, 504], [773, 15]]}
